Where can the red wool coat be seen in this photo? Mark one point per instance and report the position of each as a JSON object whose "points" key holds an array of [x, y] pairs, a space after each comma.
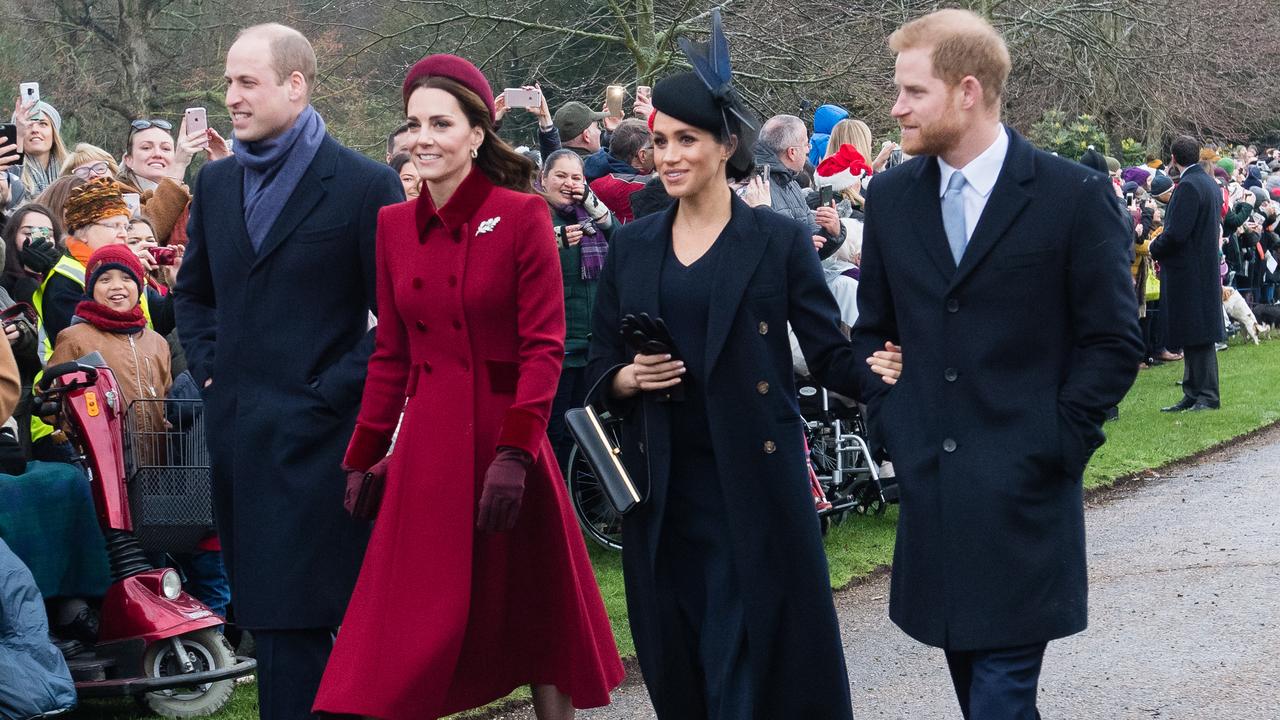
{"points": [[471, 331]]}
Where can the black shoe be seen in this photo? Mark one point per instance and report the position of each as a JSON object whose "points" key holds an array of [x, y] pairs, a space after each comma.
{"points": [[1184, 404], [83, 628], [1112, 414], [1203, 406]]}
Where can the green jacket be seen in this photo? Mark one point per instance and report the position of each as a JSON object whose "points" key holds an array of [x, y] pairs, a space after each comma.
{"points": [[579, 297]]}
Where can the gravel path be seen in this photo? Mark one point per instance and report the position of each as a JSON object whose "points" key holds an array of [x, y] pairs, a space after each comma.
{"points": [[1184, 611]]}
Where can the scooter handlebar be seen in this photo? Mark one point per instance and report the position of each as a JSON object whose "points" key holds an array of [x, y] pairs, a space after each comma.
{"points": [[57, 371]]}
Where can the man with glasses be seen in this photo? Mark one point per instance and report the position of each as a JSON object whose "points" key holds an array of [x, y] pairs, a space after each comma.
{"points": [[783, 147]]}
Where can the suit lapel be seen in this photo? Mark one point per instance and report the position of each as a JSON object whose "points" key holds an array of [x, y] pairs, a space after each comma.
{"points": [[309, 193], [645, 268], [1007, 200], [925, 211], [734, 269]]}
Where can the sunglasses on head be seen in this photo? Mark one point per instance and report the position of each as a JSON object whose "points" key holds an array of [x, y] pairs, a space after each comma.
{"points": [[140, 125]]}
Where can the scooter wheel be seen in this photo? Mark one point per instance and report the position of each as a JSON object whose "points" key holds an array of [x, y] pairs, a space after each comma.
{"points": [[207, 649]]}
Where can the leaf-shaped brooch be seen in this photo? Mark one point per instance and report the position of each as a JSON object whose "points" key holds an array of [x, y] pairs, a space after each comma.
{"points": [[487, 225]]}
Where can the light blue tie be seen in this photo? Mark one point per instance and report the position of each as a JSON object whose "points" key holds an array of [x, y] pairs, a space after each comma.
{"points": [[953, 215]]}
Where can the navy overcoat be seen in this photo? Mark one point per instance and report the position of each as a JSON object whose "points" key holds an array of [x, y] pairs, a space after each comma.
{"points": [[283, 332], [1190, 286], [769, 276], [1010, 362]]}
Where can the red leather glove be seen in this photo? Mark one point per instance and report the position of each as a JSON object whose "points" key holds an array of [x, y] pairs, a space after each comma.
{"points": [[503, 490]]}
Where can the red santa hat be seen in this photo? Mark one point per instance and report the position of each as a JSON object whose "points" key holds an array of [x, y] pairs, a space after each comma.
{"points": [[842, 170]]}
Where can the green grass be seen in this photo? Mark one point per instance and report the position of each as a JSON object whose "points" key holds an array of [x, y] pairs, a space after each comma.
{"points": [[1142, 438]]}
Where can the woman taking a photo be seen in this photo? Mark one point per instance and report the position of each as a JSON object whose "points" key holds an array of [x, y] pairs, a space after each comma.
{"points": [[583, 227], [727, 584], [474, 536]]}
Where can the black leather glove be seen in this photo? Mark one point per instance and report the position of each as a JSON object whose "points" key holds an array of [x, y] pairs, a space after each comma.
{"points": [[503, 490], [650, 336], [39, 256]]}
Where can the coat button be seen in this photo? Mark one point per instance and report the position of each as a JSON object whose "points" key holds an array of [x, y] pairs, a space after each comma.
{"points": [[770, 447], [951, 374], [417, 283], [949, 445], [426, 366], [762, 387], [953, 305], [457, 325], [453, 281], [764, 328], [422, 327]]}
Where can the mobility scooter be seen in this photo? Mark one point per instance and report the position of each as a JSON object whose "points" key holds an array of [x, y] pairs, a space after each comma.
{"points": [[151, 489]]}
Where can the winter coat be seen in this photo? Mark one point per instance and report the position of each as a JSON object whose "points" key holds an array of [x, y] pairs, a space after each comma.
{"points": [[768, 277], [579, 294], [469, 343], [34, 678], [1190, 287], [283, 334], [140, 363], [789, 199], [990, 438]]}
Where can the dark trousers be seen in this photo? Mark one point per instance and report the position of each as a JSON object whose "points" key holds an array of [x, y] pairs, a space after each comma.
{"points": [[1200, 374], [290, 665], [997, 684], [570, 393]]}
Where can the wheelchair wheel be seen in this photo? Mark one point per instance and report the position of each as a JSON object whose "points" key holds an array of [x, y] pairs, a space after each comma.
{"points": [[595, 514]]}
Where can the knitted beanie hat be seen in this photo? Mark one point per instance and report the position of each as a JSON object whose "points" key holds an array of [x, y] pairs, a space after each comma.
{"points": [[116, 256], [92, 202]]}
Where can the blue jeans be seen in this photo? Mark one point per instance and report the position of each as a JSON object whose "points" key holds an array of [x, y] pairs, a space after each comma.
{"points": [[207, 579]]}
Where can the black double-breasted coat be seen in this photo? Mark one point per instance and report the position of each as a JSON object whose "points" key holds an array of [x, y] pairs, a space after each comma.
{"points": [[1190, 284], [283, 332], [767, 276], [1010, 362]]}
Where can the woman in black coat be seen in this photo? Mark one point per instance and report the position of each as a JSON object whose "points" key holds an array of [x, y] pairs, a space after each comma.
{"points": [[727, 584]]}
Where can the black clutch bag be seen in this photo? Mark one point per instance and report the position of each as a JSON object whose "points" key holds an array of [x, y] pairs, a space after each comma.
{"points": [[603, 454]]}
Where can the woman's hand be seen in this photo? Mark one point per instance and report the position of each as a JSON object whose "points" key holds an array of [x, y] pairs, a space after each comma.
{"points": [[887, 363], [500, 108], [647, 373], [572, 235], [184, 149], [169, 273], [11, 333], [22, 119]]}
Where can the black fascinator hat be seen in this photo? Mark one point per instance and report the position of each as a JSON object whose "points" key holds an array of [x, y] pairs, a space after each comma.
{"points": [[706, 98]]}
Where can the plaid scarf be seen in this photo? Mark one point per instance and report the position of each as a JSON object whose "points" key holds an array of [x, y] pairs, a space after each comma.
{"points": [[593, 247]]}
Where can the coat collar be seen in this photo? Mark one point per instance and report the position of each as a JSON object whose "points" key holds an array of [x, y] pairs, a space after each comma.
{"points": [[458, 212]]}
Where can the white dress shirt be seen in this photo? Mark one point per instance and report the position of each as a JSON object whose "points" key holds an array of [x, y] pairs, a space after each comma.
{"points": [[980, 178]]}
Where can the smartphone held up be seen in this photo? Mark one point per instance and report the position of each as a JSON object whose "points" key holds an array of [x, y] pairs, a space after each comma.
{"points": [[523, 97]]}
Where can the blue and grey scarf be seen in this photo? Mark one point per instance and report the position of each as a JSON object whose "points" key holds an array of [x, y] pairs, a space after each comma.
{"points": [[272, 170]]}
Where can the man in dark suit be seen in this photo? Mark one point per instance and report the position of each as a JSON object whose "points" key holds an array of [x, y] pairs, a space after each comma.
{"points": [[272, 301], [1190, 287], [1003, 273]]}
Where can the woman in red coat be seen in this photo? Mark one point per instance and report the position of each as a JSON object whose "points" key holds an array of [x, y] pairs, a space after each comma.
{"points": [[476, 580]]}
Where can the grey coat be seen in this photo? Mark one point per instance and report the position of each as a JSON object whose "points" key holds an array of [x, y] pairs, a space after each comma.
{"points": [[788, 198]]}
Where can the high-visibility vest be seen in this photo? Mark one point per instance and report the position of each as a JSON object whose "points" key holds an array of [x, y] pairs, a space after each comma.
{"points": [[71, 269]]}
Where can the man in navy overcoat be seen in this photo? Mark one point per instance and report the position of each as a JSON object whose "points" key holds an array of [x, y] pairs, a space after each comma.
{"points": [[1003, 273], [272, 300], [1190, 287]]}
